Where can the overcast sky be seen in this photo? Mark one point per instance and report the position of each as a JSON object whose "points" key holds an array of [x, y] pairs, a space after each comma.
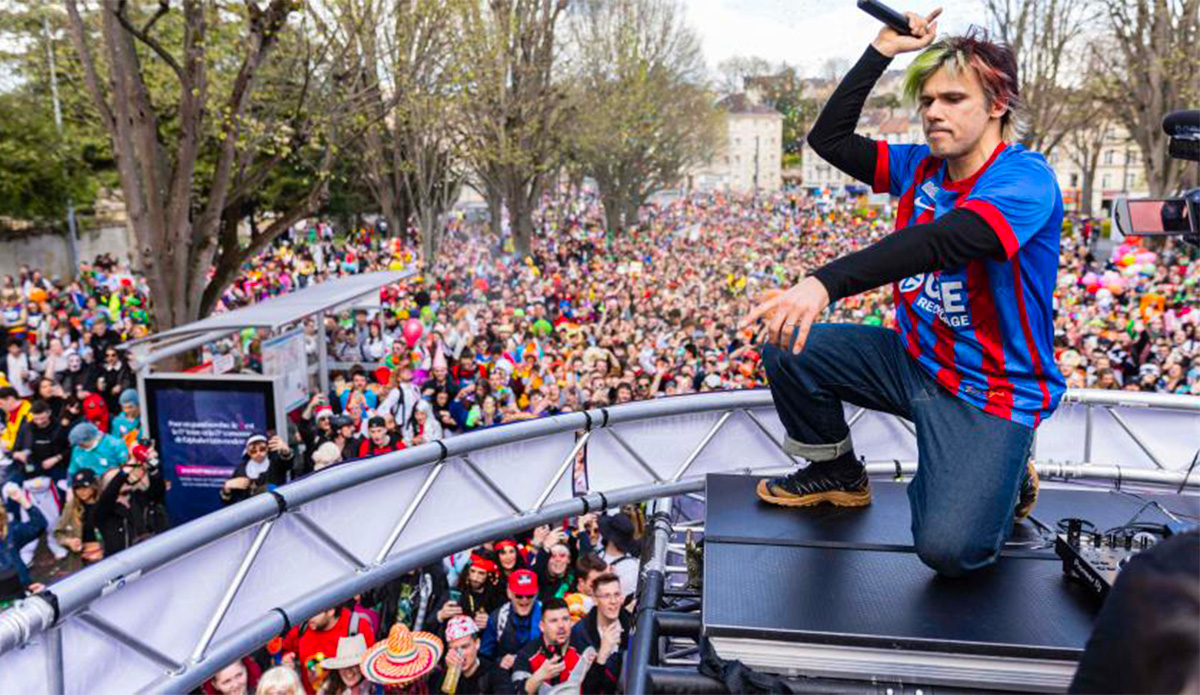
{"points": [[804, 32]]}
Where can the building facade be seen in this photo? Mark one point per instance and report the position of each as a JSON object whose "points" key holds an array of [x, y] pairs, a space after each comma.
{"points": [[751, 158]]}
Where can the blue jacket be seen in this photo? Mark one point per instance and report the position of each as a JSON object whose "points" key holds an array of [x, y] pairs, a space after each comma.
{"points": [[498, 642], [20, 533], [109, 453]]}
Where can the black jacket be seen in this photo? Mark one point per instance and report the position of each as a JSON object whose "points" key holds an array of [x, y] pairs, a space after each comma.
{"points": [[606, 677], [121, 526], [488, 678], [413, 599], [42, 443], [276, 474], [116, 381]]}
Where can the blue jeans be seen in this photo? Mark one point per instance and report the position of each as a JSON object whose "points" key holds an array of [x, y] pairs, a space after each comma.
{"points": [[970, 463]]}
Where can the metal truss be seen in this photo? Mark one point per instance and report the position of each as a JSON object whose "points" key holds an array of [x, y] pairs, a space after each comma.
{"points": [[166, 614]]}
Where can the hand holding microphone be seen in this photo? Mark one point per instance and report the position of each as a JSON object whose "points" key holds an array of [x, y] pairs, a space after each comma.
{"points": [[921, 32]]}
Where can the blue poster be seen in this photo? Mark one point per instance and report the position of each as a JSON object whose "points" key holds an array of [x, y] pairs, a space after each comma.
{"points": [[200, 428]]}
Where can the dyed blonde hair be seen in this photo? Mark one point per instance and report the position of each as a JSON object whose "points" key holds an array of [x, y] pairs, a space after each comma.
{"points": [[994, 63]]}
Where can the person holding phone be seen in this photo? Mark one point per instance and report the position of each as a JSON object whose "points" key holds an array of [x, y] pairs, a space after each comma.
{"points": [[973, 263], [550, 659], [267, 461]]}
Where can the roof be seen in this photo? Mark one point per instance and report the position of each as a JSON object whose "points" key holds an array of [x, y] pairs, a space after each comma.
{"points": [[285, 309], [741, 104]]}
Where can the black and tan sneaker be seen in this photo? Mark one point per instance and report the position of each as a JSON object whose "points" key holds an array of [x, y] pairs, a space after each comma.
{"points": [[815, 485], [1027, 497]]}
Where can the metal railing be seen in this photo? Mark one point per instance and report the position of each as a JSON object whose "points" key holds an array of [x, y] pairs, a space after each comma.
{"points": [[167, 613]]}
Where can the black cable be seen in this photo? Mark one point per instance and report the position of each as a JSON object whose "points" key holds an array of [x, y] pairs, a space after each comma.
{"points": [[1085, 526]]}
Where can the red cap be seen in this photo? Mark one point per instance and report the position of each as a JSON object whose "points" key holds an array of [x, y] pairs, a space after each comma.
{"points": [[523, 583]]}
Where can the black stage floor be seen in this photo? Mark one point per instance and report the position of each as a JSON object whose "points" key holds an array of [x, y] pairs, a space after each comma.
{"points": [[794, 588]]}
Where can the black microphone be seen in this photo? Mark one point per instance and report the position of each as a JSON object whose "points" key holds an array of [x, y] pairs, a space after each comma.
{"points": [[1182, 124], [887, 15], [1183, 127]]}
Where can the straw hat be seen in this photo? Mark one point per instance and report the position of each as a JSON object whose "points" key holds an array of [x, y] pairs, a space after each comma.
{"points": [[404, 657], [349, 652]]}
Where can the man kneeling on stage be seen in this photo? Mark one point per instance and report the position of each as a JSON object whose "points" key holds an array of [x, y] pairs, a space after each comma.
{"points": [[974, 263]]}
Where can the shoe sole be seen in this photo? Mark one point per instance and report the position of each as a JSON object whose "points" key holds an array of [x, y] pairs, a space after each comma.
{"points": [[837, 498], [1024, 512]]}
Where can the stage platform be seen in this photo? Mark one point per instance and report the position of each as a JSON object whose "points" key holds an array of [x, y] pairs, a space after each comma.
{"points": [[839, 593]]}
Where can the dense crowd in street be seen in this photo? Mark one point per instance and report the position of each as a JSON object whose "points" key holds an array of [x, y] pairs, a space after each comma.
{"points": [[487, 338]]}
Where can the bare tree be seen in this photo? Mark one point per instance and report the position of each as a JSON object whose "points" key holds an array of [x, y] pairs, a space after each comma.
{"points": [[172, 87], [733, 72], [1084, 144], [1150, 66], [515, 112], [1046, 36], [643, 116], [411, 152], [832, 69]]}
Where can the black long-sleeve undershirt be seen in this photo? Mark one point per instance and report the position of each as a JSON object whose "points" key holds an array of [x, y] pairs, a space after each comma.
{"points": [[953, 239]]}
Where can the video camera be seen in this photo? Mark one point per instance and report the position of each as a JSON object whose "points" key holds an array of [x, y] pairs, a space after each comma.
{"points": [[1169, 216]]}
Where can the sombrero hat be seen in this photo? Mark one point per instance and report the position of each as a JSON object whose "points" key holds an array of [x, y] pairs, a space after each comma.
{"points": [[402, 658]]}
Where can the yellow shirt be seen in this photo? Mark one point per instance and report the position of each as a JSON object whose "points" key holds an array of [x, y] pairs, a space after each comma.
{"points": [[13, 424]]}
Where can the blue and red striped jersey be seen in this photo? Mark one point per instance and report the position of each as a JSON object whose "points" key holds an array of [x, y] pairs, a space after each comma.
{"points": [[984, 330]]}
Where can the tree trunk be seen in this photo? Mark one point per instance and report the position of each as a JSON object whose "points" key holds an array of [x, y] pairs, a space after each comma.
{"points": [[427, 224], [520, 213], [612, 216], [495, 203]]}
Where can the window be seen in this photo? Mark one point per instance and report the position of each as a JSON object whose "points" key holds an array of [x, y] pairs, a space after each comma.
{"points": [[1108, 157], [1129, 178], [1075, 180], [1106, 182]]}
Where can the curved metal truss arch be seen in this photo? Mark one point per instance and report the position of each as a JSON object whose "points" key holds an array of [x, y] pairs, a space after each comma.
{"points": [[166, 614]]}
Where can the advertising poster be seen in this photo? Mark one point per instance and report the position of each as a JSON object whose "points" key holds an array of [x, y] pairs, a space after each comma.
{"points": [[285, 355], [200, 426], [579, 471]]}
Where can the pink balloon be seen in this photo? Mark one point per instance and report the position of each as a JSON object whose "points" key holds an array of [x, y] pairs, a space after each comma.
{"points": [[412, 331]]}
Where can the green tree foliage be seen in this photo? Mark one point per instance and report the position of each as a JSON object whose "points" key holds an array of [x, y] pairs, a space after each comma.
{"points": [[642, 115], [41, 170], [215, 110], [38, 178]]}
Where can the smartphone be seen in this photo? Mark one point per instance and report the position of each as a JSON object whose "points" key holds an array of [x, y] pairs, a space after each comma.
{"points": [[455, 595], [887, 15]]}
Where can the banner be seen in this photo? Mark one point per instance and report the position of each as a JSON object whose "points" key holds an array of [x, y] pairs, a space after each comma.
{"points": [[579, 471], [285, 355], [200, 425]]}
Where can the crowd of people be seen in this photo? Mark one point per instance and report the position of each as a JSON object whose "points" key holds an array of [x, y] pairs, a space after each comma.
{"points": [[485, 338], [517, 615]]}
